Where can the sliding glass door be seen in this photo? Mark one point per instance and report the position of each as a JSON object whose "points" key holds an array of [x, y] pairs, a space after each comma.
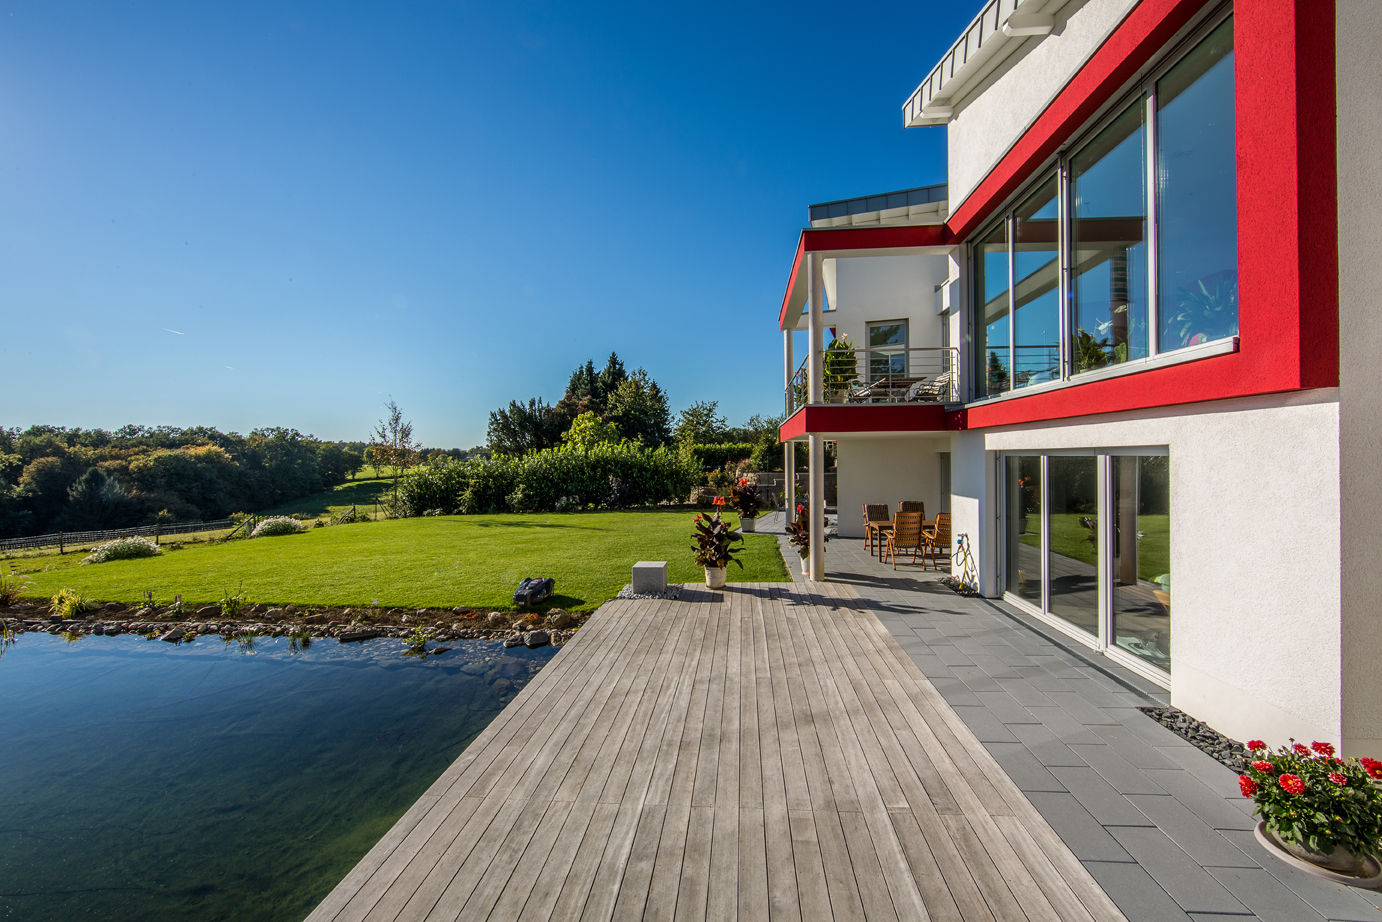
{"points": [[1087, 543]]}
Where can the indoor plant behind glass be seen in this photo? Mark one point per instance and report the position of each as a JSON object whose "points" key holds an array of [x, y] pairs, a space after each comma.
{"points": [[1323, 811], [746, 501], [714, 548]]}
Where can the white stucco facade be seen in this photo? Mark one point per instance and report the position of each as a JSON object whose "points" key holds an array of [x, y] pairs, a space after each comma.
{"points": [[997, 111], [882, 288], [887, 470]]}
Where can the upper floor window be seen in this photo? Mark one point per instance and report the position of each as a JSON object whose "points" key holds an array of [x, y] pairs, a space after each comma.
{"points": [[1129, 247]]}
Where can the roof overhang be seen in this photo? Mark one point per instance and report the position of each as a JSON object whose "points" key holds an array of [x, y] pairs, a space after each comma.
{"points": [[836, 420], [856, 241], [998, 31]]}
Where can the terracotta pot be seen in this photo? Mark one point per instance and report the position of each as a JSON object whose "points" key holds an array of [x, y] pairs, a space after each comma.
{"points": [[715, 577]]}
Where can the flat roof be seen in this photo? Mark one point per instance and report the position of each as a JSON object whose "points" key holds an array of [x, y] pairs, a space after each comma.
{"points": [[921, 205]]}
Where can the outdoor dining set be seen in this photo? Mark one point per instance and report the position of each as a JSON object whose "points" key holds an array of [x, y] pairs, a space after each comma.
{"points": [[908, 532]]}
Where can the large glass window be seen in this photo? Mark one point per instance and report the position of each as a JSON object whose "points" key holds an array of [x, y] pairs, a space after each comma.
{"points": [[1129, 248], [991, 358], [1087, 540], [1036, 286], [1141, 565], [887, 350], [1197, 227], [1022, 576], [1073, 562], [1109, 239]]}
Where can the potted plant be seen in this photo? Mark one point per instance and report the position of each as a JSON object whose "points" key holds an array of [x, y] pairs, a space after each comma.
{"points": [[799, 536], [746, 501], [714, 551], [1319, 812]]}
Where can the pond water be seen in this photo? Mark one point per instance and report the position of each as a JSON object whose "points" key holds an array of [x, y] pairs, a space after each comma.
{"points": [[142, 780]]}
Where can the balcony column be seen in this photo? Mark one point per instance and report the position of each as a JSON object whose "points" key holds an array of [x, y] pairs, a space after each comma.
{"points": [[816, 394], [789, 468], [814, 387]]}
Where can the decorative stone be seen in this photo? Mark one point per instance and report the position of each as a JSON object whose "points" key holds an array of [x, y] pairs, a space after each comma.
{"points": [[537, 639], [514, 640], [559, 619], [650, 576], [496, 620]]}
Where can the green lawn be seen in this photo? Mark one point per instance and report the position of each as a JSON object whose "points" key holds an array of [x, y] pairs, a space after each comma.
{"points": [[1071, 539], [433, 562]]}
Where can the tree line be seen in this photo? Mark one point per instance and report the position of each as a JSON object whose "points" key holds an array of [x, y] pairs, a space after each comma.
{"points": [[53, 478]]}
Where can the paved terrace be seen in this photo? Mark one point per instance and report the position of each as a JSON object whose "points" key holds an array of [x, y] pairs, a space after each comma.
{"points": [[874, 747]]}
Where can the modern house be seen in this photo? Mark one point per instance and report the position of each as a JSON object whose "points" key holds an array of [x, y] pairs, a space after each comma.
{"points": [[1130, 344]]}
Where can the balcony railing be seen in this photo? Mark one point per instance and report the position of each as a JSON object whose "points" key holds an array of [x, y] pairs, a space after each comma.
{"points": [[873, 376]]}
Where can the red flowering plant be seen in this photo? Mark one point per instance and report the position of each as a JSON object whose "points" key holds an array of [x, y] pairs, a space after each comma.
{"points": [[1309, 797], [743, 496], [714, 542]]}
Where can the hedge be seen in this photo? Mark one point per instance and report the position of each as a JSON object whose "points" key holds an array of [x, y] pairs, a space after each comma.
{"points": [[554, 480]]}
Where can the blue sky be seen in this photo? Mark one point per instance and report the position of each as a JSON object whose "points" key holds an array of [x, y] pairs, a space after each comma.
{"points": [[285, 214]]}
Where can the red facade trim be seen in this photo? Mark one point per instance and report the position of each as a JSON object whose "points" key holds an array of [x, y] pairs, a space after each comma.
{"points": [[903, 417]]}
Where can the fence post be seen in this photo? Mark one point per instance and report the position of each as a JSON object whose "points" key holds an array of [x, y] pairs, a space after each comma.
{"points": [[61, 548]]}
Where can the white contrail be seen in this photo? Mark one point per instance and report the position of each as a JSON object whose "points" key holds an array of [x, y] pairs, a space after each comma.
{"points": [[175, 332]]}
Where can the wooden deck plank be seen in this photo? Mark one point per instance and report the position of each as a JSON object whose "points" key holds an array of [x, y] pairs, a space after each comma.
{"points": [[765, 752]]}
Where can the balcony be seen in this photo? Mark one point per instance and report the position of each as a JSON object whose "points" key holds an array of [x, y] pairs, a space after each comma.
{"points": [[866, 377]]}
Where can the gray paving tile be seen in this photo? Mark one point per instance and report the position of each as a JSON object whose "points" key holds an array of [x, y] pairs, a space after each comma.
{"points": [[929, 663], [993, 665], [1064, 726], [1151, 732], [977, 679], [1264, 895], [1187, 883], [1207, 846], [1044, 745], [1081, 832], [948, 655], [955, 692], [1079, 708], [1219, 777], [1334, 901], [1132, 747], [1096, 693], [1208, 805], [1135, 892], [1098, 797], [984, 725], [1027, 694], [1125, 777], [1023, 767], [1220, 917], [1005, 707]]}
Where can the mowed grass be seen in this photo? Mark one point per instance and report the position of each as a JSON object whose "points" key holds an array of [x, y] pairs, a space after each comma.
{"points": [[433, 562], [362, 493]]}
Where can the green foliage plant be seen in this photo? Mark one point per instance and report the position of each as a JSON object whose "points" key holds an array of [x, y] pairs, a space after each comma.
{"points": [[589, 431], [233, 603], [130, 548], [1309, 797], [715, 541], [839, 368], [12, 588], [276, 525], [69, 603], [744, 497]]}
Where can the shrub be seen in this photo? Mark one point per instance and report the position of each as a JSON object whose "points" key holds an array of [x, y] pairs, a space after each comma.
{"points": [[233, 603], [1311, 798], [123, 549], [720, 454], [11, 587], [277, 525], [69, 603]]}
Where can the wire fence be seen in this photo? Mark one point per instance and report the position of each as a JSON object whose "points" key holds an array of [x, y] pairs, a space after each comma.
{"points": [[65, 539]]}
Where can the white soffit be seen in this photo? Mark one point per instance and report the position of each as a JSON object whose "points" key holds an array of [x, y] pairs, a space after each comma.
{"points": [[995, 33]]}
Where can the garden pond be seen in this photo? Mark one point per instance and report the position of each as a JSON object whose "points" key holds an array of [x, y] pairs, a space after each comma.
{"points": [[220, 780]]}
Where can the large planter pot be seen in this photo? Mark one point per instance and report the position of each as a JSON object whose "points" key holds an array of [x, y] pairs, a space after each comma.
{"points": [[1338, 865], [715, 577], [806, 567], [747, 524]]}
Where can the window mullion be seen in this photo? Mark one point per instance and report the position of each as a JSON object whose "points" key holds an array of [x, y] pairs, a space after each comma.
{"points": [[1012, 301], [1153, 313]]}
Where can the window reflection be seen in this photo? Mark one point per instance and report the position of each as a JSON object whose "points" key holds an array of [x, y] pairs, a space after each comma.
{"points": [[1023, 572], [1036, 314], [991, 321], [1141, 567], [1197, 227], [1073, 563], [1108, 183]]}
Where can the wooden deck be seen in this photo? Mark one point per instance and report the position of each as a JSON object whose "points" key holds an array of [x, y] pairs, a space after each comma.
{"points": [[761, 752]]}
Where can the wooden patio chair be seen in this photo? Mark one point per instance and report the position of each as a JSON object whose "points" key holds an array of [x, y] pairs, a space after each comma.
{"points": [[912, 505], [936, 540], [907, 536], [877, 523]]}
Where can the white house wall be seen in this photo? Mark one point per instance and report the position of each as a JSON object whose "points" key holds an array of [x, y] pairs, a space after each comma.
{"points": [[1255, 556], [886, 470], [971, 510], [1009, 101], [1359, 83], [873, 288]]}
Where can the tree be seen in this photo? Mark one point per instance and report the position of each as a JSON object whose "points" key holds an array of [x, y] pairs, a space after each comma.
{"points": [[639, 409], [588, 430], [589, 391], [701, 424], [97, 500], [394, 445], [520, 428]]}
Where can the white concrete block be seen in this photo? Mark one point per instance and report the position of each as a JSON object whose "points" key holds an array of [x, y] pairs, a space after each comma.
{"points": [[650, 576]]}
